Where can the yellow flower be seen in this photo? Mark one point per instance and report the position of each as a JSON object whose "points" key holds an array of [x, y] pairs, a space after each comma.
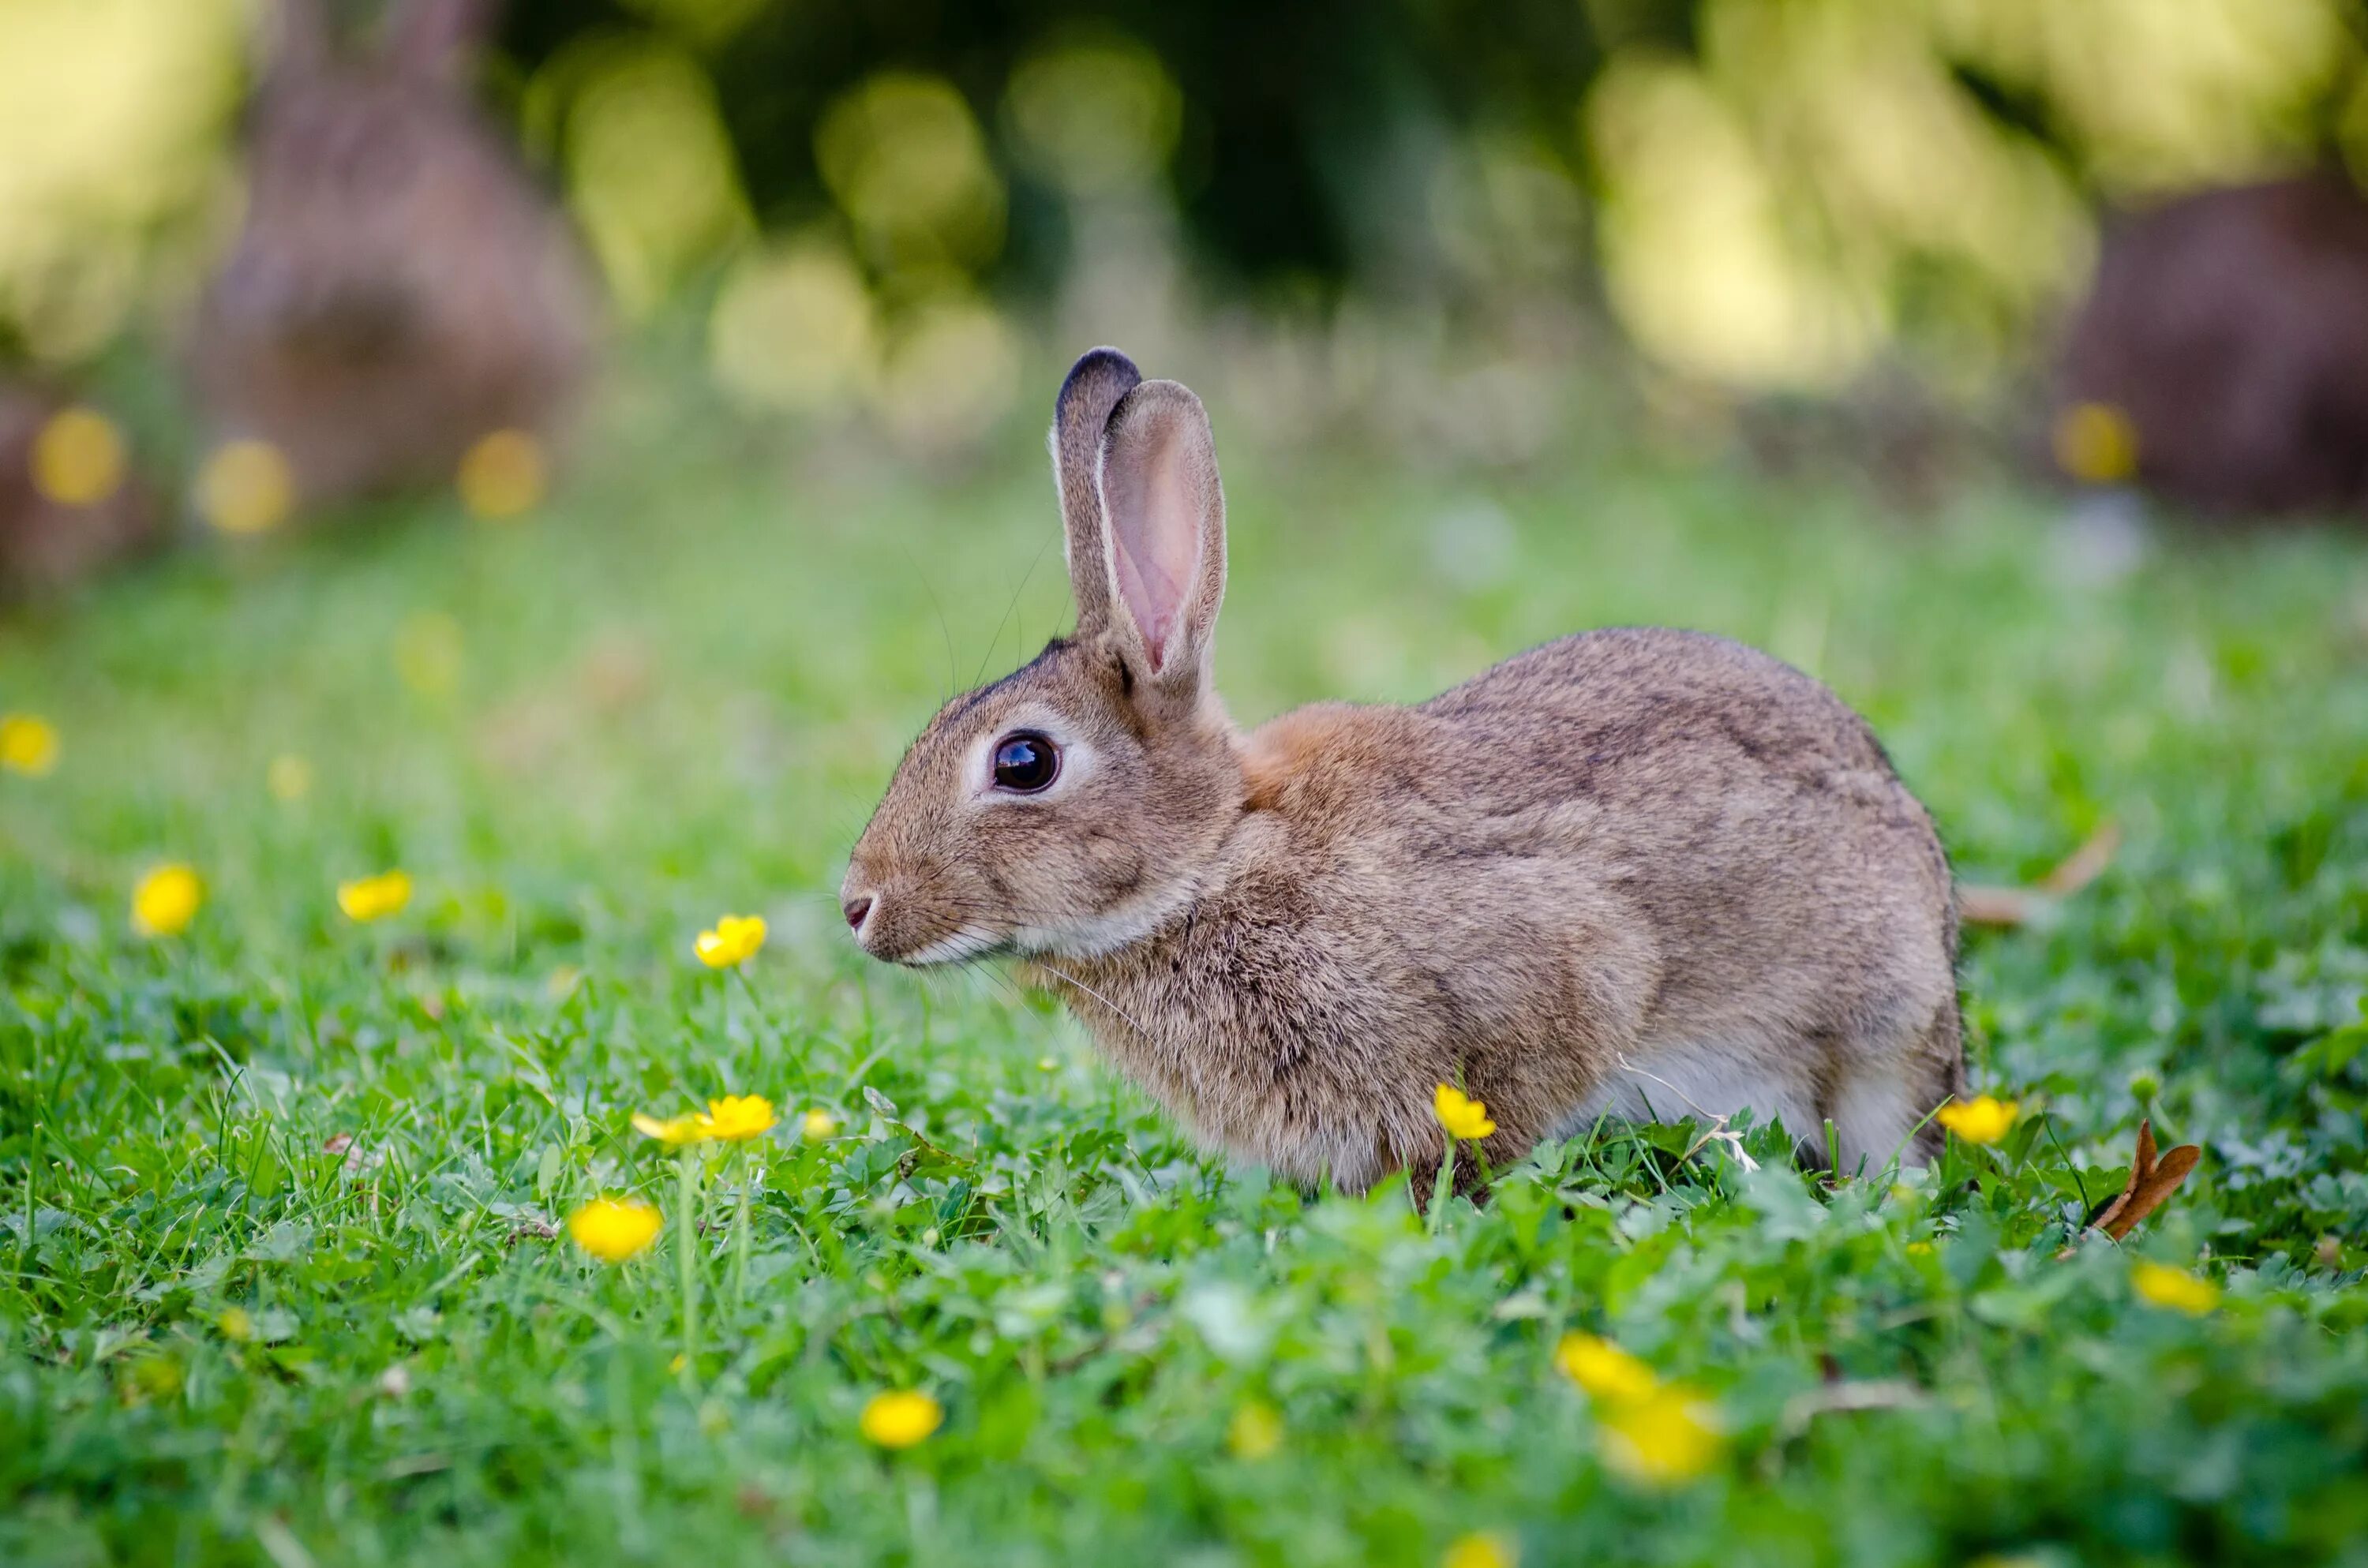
{"points": [[246, 487], [674, 1132], [734, 940], [614, 1229], [374, 898], [28, 744], [503, 476], [1256, 1430], [820, 1124], [1983, 1120], [1919, 1249], [1603, 1370], [2096, 443], [77, 460], [1463, 1116], [289, 778], [2175, 1288], [236, 1323], [1665, 1438], [735, 1118], [900, 1420], [1481, 1549], [166, 899]]}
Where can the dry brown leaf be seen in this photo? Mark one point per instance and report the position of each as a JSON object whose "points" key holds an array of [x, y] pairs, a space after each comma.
{"points": [[1980, 903], [2151, 1181]]}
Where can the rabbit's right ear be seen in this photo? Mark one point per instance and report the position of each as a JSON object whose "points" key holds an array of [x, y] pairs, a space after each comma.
{"points": [[1164, 512], [1080, 415]]}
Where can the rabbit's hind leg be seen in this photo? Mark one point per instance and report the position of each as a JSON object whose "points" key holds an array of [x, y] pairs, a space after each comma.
{"points": [[1883, 1104]]}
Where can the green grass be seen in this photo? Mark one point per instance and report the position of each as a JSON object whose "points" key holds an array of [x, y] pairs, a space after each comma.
{"points": [[677, 693]]}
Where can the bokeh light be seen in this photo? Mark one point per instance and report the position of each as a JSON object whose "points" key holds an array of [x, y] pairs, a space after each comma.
{"points": [[429, 653], [504, 474], [245, 487], [650, 171], [1096, 115], [906, 161], [112, 113], [952, 370], [78, 458], [794, 328]]}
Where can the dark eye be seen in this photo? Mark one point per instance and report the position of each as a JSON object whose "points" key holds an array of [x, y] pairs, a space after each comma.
{"points": [[1026, 762]]}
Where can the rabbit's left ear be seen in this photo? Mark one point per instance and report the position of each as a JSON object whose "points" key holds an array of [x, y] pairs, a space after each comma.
{"points": [[1163, 526], [435, 38], [296, 40]]}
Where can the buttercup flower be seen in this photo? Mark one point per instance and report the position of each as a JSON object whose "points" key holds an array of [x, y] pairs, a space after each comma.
{"points": [[1481, 1549], [614, 1229], [819, 1124], [2175, 1288], [901, 1419], [77, 460], [673, 1131], [1983, 1120], [1256, 1430], [1463, 1116], [374, 898], [734, 940], [166, 899], [1602, 1369], [503, 476], [1662, 1439], [736, 1117], [28, 744], [236, 1325]]}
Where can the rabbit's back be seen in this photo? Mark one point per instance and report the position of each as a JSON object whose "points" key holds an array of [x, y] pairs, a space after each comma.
{"points": [[1743, 814], [1641, 870]]}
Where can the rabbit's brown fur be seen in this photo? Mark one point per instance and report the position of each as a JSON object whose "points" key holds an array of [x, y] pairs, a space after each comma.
{"points": [[401, 288], [1641, 871], [2230, 328]]}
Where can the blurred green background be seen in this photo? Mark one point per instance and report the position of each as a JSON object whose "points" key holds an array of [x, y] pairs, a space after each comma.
{"points": [[882, 205], [1512, 319]]}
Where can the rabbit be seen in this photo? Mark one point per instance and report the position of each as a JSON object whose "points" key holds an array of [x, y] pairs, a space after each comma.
{"points": [[399, 288], [49, 541], [2229, 328], [1637, 871]]}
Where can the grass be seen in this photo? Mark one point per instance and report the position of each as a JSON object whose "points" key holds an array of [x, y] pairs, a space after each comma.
{"points": [[278, 1275]]}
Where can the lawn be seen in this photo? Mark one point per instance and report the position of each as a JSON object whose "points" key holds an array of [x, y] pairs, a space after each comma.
{"points": [[284, 1268]]}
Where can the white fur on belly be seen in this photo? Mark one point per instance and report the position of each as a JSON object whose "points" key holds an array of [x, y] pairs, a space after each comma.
{"points": [[1671, 1082]]}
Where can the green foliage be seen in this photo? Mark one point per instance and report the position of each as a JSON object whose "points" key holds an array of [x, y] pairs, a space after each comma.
{"points": [[278, 1275]]}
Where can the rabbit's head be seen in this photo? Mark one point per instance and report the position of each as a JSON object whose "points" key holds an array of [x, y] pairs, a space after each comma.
{"points": [[1074, 805], [361, 172], [401, 287]]}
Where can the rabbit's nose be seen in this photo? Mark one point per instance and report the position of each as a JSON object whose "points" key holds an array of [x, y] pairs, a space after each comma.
{"points": [[856, 909]]}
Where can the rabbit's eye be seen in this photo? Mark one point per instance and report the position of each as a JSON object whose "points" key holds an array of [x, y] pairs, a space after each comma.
{"points": [[1026, 762]]}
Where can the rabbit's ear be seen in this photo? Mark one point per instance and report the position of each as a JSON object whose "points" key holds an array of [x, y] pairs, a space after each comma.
{"points": [[1080, 415], [433, 38], [1164, 515], [297, 39]]}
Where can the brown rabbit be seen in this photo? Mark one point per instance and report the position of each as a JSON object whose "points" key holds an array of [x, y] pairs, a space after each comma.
{"points": [[1637, 871], [49, 540], [401, 287], [2230, 329]]}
